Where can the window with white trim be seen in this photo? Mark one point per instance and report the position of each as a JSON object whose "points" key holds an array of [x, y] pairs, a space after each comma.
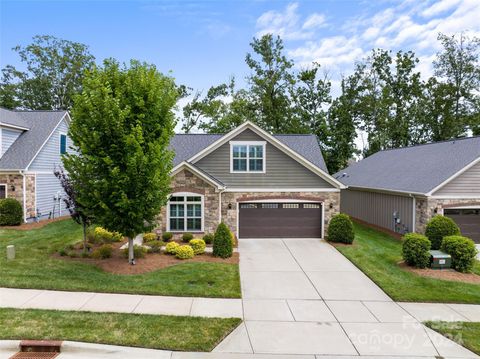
{"points": [[185, 212], [3, 191], [247, 157]]}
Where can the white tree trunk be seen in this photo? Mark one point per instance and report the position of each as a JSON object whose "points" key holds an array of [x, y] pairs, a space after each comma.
{"points": [[131, 257]]}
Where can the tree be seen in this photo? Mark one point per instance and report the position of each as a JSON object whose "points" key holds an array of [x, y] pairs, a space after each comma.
{"points": [[121, 126], [54, 71], [78, 213]]}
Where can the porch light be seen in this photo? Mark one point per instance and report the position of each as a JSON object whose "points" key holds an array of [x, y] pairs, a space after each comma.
{"points": [[230, 205], [331, 205], [12, 188]]}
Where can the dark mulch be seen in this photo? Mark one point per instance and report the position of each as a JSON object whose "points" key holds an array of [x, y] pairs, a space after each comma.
{"points": [[445, 274], [34, 225]]}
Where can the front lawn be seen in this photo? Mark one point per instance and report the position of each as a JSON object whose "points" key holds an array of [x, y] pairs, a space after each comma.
{"points": [[137, 330], [464, 333], [378, 254], [35, 267]]}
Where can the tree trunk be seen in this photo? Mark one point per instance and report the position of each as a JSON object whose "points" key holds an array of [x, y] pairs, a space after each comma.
{"points": [[84, 237], [131, 257]]}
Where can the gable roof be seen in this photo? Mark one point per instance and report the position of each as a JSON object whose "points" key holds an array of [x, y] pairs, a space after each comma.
{"points": [[418, 169], [186, 146], [40, 124], [12, 119]]}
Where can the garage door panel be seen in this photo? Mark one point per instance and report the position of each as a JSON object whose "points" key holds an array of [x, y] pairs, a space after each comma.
{"points": [[267, 220], [468, 220]]}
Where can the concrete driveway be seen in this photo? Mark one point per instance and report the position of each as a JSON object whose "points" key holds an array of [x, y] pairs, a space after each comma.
{"points": [[301, 296]]}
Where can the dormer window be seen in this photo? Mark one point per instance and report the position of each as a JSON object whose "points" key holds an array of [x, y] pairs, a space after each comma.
{"points": [[63, 143], [247, 157]]}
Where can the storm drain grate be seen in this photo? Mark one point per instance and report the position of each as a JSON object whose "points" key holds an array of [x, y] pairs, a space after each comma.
{"points": [[35, 355]]}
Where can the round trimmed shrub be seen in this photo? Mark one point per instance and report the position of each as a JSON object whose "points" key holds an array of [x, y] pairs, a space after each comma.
{"points": [[416, 250], [149, 237], [103, 252], [222, 242], [438, 228], [184, 252], [167, 236], [187, 237], [138, 251], [208, 238], [462, 250], [154, 246], [198, 246], [11, 212], [171, 247], [340, 229]]}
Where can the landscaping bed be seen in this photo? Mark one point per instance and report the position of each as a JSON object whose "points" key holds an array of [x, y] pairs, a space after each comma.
{"points": [[134, 330], [38, 265], [378, 255], [466, 334], [444, 274]]}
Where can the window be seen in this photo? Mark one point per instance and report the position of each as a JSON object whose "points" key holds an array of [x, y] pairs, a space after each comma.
{"points": [[63, 143], [3, 191], [185, 213], [247, 157]]}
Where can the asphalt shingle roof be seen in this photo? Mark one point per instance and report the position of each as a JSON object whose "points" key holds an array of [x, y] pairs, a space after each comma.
{"points": [[22, 151], [186, 146], [12, 118], [416, 169]]}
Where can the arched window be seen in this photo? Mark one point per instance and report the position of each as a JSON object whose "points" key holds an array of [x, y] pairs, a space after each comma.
{"points": [[185, 212]]}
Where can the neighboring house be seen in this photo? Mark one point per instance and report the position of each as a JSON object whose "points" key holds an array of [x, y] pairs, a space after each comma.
{"points": [[258, 184], [401, 189], [31, 145]]}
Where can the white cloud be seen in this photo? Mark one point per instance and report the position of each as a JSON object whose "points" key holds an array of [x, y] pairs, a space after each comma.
{"points": [[288, 23]]}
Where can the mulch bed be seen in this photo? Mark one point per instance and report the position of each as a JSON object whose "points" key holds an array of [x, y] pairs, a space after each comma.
{"points": [[445, 274], [118, 264], [35, 225]]}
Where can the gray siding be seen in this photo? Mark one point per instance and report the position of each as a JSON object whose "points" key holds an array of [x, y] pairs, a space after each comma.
{"points": [[281, 170], [467, 184], [378, 208], [8, 137], [49, 156], [47, 187]]}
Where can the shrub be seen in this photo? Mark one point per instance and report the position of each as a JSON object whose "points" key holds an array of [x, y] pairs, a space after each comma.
{"points": [[103, 252], [184, 252], [155, 246], [416, 250], [222, 242], [462, 250], [63, 252], [11, 212], [167, 236], [171, 247], [138, 251], [198, 246], [340, 229], [438, 228], [148, 237], [187, 237], [208, 238], [101, 235]]}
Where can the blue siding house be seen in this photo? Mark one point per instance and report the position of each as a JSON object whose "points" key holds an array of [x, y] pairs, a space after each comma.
{"points": [[31, 146]]}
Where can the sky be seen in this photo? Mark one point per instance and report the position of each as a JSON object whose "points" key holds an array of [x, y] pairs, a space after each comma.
{"points": [[203, 43]]}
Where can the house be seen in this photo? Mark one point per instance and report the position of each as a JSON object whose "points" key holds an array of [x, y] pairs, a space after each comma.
{"points": [[401, 189], [31, 145], [260, 185]]}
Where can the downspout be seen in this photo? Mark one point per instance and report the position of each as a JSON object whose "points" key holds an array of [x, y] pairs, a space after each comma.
{"points": [[220, 204], [414, 212], [24, 193]]}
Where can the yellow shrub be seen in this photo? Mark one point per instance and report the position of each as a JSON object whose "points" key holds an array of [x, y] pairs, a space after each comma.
{"points": [[148, 237], [171, 247], [198, 246], [184, 252], [104, 236]]}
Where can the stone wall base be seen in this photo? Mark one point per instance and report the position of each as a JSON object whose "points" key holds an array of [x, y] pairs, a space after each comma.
{"points": [[14, 183]]}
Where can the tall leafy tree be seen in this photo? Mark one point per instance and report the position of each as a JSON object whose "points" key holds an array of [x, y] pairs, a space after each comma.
{"points": [[122, 125], [53, 74]]}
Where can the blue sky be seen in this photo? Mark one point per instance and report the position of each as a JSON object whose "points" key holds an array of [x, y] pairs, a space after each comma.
{"points": [[205, 42]]}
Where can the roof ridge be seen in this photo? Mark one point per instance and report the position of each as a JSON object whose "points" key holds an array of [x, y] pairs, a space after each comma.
{"points": [[429, 143], [38, 110]]}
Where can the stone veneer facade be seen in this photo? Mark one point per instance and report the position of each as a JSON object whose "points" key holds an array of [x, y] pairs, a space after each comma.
{"points": [[185, 181], [428, 207], [16, 180]]}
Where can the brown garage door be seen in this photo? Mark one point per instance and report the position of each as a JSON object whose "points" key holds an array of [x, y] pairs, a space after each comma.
{"points": [[280, 220], [468, 220]]}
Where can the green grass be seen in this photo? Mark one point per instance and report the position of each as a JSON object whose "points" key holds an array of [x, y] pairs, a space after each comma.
{"points": [[34, 267], [378, 254], [137, 330], [464, 333]]}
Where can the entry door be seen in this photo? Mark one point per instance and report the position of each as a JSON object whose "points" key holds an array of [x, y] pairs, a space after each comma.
{"points": [[468, 220], [280, 220]]}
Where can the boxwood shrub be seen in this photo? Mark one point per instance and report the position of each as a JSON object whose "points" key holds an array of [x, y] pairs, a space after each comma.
{"points": [[184, 252], [103, 252], [340, 229], [208, 238], [187, 237], [462, 250], [171, 248], [222, 242], [11, 212], [198, 246], [167, 236], [438, 228], [138, 251], [416, 250]]}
